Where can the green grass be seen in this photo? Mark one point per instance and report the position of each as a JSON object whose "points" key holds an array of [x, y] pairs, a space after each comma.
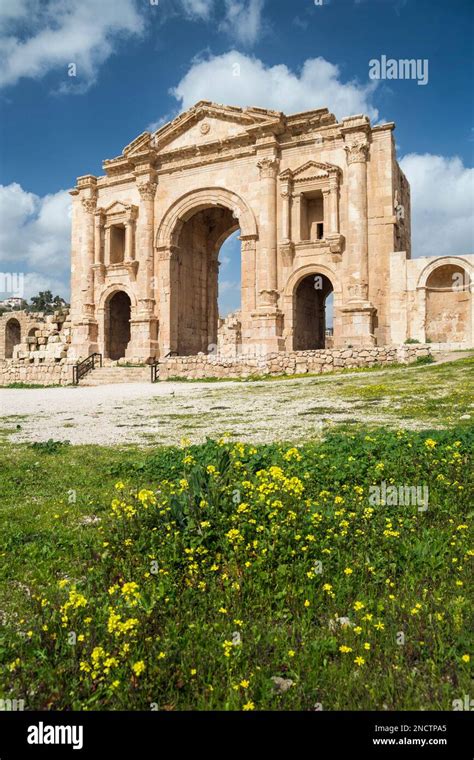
{"points": [[225, 552], [31, 385]]}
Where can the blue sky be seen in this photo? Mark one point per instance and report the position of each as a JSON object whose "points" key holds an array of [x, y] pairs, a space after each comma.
{"points": [[139, 63]]}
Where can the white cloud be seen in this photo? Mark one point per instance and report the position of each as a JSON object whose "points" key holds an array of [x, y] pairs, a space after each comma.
{"points": [[64, 32], [35, 237], [442, 204], [16, 9], [243, 20], [198, 8], [34, 282], [227, 285], [154, 125], [317, 85]]}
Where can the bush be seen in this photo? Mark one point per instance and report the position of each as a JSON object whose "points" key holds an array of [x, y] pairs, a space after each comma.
{"points": [[246, 564]]}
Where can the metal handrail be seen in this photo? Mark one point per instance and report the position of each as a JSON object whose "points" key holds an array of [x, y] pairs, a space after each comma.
{"points": [[82, 368], [154, 368]]}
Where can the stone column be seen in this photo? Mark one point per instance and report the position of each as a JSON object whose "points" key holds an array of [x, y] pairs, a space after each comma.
{"points": [[267, 319], [107, 244], [84, 341], [144, 324], [98, 225], [99, 266], [129, 235], [296, 218], [145, 233], [167, 285], [333, 206], [285, 214], [357, 313], [248, 288], [267, 270], [358, 239], [212, 310], [326, 213], [89, 205]]}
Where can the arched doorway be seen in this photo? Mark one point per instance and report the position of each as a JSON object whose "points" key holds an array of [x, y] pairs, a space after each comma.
{"points": [[448, 305], [198, 246], [117, 325], [311, 324], [12, 337], [188, 241]]}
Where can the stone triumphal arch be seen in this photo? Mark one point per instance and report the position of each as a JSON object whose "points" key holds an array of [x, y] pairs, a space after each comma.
{"points": [[323, 211]]}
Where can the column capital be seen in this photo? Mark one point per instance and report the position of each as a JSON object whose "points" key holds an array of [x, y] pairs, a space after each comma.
{"points": [[357, 152], [147, 189], [268, 167], [167, 253], [358, 291], [247, 244], [89, 204]]}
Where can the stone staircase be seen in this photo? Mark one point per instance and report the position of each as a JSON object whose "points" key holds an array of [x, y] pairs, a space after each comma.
{"points": [[110, 375]]}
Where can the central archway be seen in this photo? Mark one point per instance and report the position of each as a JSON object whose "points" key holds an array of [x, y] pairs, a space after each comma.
{"points": [[117, 325], [189, 239], [199, 243]]}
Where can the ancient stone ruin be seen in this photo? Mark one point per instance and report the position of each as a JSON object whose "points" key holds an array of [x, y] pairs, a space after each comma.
{"points": [[323, 211]]}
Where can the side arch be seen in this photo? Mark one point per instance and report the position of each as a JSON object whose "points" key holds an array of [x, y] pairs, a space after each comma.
{"points": [[299, 274], [195, 200], [13, 336], [444, 292], [110, 291], [444, 261], [290, 295]]}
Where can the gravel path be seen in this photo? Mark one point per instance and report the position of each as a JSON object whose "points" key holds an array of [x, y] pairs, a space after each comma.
{"points": [[166, 412]]}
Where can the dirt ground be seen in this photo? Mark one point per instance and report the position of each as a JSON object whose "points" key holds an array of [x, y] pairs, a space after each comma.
{"points": [[261, 411]]}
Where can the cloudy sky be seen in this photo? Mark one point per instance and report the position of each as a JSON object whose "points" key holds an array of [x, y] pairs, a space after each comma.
{"points": [[138, 63]]}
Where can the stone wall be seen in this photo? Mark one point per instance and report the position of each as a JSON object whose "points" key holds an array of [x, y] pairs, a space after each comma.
{"points": [[36, 336], [36, 352], [50, 373], [229, 335], [297, 362]]}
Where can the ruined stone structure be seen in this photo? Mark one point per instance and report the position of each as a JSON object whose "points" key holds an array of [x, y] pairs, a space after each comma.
{"points": [[34, 347], [322, 207]]}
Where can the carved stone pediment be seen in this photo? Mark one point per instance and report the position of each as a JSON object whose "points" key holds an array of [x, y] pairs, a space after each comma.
{"points": [[310, 171], [206, 122], [118, 211]]}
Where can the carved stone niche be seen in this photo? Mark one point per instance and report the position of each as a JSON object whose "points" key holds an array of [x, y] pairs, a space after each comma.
{"points": [[310, 198], [119, 222]]}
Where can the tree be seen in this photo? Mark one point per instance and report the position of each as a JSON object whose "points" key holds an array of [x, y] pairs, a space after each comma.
{"points": [[45, 302]]}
